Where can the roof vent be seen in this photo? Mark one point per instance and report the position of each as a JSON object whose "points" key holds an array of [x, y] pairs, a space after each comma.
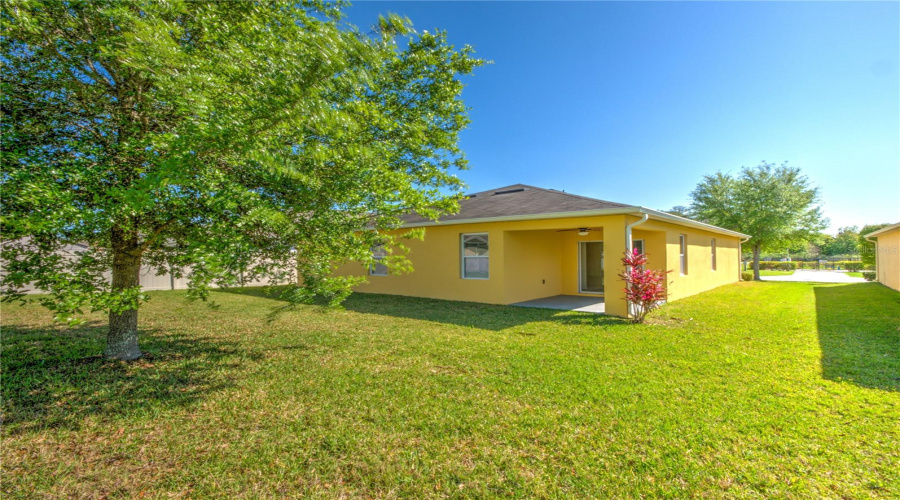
{"points": [[517, 190]]}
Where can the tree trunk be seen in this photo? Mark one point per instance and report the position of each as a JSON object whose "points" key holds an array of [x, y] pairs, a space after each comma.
{"points": [[122, 340], [756, 262]]}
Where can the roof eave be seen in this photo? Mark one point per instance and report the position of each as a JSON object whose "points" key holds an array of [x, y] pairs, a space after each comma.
{"points": [[630, 210], [882, 230], [506, 218], [684, 221]]}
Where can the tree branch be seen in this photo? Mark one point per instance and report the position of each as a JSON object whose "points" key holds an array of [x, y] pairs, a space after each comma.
{"points": [[153, 236]]}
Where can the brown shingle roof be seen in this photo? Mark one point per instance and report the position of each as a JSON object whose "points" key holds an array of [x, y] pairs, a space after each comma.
{"points": [[518, 199]]}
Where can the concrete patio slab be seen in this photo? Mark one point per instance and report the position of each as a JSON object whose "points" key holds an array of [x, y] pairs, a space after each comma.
{"points": [[567, 303], [816, 277]]}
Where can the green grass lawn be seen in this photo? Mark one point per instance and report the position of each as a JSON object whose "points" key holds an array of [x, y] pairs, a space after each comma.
{"points": [[766, 272], [854, 274], [756, 389]]}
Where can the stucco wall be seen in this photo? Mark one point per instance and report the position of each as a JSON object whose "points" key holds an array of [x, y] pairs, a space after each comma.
{"points": [[436, 262], [517, 265], [654, 247], [533, 259], [700, 276], [436, 268], [888, 258], [533, 262]]}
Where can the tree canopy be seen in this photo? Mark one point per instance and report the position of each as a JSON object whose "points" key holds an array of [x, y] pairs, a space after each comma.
{"points": [[776, 205], [866, 247], [845, 242], [215, 138], [679, 210]]}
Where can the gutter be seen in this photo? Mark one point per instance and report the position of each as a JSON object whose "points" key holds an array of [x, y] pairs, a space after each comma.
{"points": [[868, 238], [631, 210], [504, 218], [628, 248], [690, 223], [741, 256], [880, 231]]}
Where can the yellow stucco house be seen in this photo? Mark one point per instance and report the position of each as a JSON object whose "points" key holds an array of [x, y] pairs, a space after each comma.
{"points": [[520, 243], [887, 255]]}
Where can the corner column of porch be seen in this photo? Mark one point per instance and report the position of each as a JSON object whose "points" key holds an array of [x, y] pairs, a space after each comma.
{"points": [[613, 251]]}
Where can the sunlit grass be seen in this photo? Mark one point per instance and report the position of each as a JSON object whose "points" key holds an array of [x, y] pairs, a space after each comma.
{"points": [[752, 390]]}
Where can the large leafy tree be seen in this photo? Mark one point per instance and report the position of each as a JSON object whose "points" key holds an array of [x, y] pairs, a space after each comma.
{"points": [[776, 205], [866, 247], [213, 139], [845, 242]]}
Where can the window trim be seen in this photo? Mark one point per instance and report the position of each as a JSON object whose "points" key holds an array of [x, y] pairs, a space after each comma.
{"points": [[463, 256], [643, 249], [378, 260], [712, 254], [683, 254]]}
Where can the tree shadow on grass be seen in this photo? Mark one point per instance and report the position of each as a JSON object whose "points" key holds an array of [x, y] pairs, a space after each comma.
{"points": [[859, 333], [54, 377], [471, 314]]}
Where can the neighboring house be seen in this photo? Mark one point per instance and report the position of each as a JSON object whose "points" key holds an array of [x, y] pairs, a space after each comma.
{"points": [[520, 243], [887, 255]]}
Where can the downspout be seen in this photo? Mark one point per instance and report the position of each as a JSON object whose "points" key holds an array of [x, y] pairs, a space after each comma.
{"points": [[741, 256], [628, 231], [628, 244], [875, 241]]}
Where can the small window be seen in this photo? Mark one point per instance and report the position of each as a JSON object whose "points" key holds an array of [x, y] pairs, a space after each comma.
{"points": [[378, 254], [639, 246], [475, 256], [682, 253], [712, 254]]}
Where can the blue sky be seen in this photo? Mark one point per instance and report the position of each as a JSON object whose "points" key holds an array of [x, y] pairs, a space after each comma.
{"points": [[635, 102]]}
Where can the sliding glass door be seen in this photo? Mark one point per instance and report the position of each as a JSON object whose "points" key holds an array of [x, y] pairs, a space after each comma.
{"points": [[590, 266]]}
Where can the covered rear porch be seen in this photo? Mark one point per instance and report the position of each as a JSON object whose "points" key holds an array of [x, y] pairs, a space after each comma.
{"points": [[574, 266]]}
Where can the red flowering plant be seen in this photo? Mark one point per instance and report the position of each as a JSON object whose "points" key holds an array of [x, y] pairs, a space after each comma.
{"points": [[645, 289]]}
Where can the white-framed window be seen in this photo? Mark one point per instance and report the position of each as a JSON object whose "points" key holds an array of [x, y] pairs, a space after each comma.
{"points": [[474, 256], [682, 253], [378, 255], [639, 246], [712, 253]]}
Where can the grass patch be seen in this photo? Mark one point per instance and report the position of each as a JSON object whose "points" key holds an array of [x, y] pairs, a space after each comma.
{"points": [[751, 390], [766, 272], [855, 274]]}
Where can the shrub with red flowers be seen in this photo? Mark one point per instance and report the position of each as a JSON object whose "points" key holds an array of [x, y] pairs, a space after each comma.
{"points": [[645, 289]]}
